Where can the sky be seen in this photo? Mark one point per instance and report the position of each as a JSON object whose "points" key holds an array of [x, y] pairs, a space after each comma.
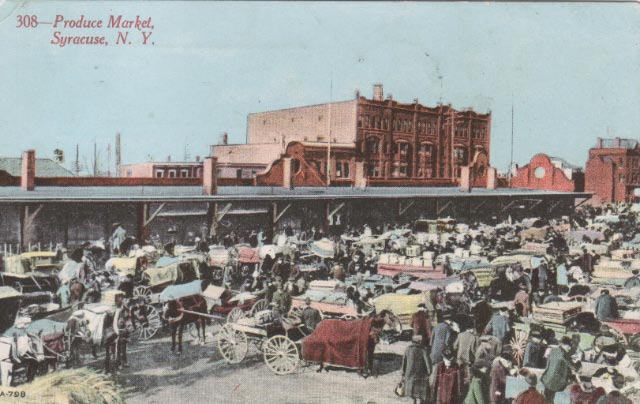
{"points": [[571, 71]]}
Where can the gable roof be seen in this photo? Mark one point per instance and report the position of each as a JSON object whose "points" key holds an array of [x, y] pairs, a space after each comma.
{"points": [[44, 167]]}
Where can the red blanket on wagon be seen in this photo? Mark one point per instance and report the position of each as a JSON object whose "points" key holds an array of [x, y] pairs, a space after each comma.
{"points": [[339, 342]]}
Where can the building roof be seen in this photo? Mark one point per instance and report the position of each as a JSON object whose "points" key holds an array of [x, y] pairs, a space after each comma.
{"points": [[44, 167], [13, 194], [619, 143], [564, 164], [165, 163], [250, 154]]}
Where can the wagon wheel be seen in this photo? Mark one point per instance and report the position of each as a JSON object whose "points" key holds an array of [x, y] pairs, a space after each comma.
{"points": [[518, 345], [348, 317], [141, 291], [153, 324], [232, 344], [235, 315], [260, 305], [281, 355], [295, 314]]}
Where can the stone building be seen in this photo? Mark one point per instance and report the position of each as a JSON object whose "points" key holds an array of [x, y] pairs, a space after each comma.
{"points": [[397, 144], [613, 170]]}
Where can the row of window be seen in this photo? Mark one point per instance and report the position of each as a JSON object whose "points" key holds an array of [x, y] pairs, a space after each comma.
{"points": [[476, 132], [398, 170], [175, 173], [401, 148]]}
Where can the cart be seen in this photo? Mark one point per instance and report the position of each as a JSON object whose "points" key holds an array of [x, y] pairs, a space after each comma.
{"points": [[285, 346]]}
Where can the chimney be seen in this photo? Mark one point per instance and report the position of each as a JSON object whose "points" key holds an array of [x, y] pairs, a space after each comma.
{"points": [[378, 94], [169, 159], [599, 144], [28, 177], [210, 176], [197, 159], [357, 93], [225, 138]]}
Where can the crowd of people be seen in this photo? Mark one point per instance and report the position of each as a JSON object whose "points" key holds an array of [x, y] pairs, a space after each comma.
{"points": [[446, 361]]}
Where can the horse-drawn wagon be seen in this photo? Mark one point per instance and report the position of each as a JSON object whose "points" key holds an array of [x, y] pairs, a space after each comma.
{"points": [[285, 345], [35, 270]]}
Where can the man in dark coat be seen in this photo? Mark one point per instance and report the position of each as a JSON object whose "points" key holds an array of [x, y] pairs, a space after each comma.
{"points": [[310, 316], [416, 368], [441, 339], [421, 324], [499, 326], [606, 306], [558, 372], [447, 380]]}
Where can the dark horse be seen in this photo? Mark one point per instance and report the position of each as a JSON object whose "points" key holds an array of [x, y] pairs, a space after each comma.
{"points": [[176, 318]]}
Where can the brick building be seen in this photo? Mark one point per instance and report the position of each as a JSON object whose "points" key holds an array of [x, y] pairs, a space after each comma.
{"points": [[549, 173], [167, 169], [613, 170], [398, 144]]}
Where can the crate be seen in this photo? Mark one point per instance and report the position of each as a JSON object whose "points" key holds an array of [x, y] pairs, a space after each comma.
{"points": [[557, 312], [109, 296]]}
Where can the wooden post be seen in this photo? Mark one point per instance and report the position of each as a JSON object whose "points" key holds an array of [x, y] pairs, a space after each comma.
{"points": [[141, 229], [212, 216]]}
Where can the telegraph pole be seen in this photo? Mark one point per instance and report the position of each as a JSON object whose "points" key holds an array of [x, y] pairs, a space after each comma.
{"points": [[511, 160], [329, 142]]}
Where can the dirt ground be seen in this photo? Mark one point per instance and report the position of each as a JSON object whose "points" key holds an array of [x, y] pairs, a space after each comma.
{"points": [[200, 375]]}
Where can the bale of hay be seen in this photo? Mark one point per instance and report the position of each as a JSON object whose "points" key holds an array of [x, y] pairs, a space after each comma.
{"points": [[75, 386]]}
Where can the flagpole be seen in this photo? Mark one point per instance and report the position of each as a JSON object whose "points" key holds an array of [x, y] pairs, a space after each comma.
{"points": [[511, 162], [329, 141]]}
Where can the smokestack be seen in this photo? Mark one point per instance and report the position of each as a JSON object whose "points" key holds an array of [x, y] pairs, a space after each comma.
{"points": [[197, 159], [357, 93], [28, 177], [225, 138], [210, 176], [118, 155], [378, 94], [169, 159]]}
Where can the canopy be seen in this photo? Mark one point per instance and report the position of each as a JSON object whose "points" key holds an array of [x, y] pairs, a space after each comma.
{"points": [[175, 292], [324, 248], [339, 343]]}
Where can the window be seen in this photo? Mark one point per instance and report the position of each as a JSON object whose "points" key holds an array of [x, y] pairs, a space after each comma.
{"points": [[373, 145], [359, 121], [378, 123], [426, 149], [373, 169], [345, 169], [129, 173], [172, 173], [403, 148], [460, 156], [184, 173], [621, 179], [159, 173], [239, 173]]}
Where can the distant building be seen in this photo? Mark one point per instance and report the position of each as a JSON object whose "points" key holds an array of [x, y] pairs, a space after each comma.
{"points": [[549, 173], [168, 169], [397, 144], [12, 167], [613, 170]]}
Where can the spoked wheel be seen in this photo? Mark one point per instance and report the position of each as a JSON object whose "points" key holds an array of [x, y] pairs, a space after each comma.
{"points": [[152, 325], [141, 291], [232, 344], [281, 355], [518, 346], [258, 306], [235, 315]]}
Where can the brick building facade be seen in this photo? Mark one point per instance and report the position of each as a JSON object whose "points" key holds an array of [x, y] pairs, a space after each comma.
{"points": [[613, 170], [549, 173], [398, 144]]}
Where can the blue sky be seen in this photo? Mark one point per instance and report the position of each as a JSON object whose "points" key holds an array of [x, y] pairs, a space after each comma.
{"points": [[573, 70]]}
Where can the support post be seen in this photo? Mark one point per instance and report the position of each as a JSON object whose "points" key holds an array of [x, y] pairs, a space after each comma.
{"points": [[142, 217]]}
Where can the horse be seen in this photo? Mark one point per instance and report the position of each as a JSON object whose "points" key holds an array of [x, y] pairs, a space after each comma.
{"points": [[25, 351], [177, 319]]}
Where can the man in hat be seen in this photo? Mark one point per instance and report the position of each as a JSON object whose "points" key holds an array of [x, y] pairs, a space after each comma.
{"points": [[421, 323], [500, 368], [521, 301], [534, 350], [281, 300], [416, 369], [586, 261], [310, 316], [531, 395], [606, 306], [466, 346], [559, 369], [477, 393], [634, 281], [585, 392], [447, 380], [117, 238], [499, 325], [120, 327], [441, 337]]}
